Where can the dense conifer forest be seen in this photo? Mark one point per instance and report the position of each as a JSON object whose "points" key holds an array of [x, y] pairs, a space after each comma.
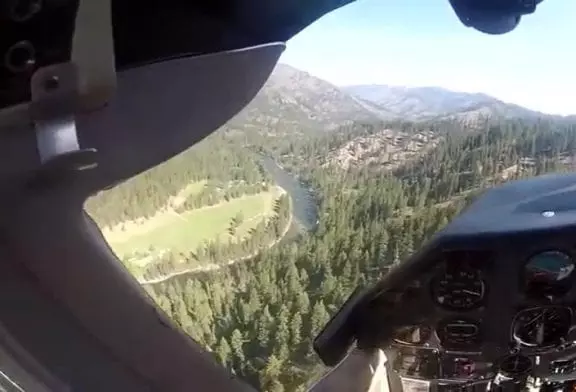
{"points": [[259, 317], [219, 160]]}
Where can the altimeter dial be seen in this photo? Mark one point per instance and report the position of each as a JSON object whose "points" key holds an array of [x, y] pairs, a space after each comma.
{"points": [[542, 327]]}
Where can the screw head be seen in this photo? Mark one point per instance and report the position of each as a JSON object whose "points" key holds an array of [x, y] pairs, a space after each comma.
{"points": [[51, 83]]}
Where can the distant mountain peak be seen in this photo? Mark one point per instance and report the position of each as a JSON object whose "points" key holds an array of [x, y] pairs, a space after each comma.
{"points": [[299, 100], [426, 103], [296, 101]]}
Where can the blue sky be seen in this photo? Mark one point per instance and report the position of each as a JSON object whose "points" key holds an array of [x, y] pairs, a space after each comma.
{"points": [[422, 43]]}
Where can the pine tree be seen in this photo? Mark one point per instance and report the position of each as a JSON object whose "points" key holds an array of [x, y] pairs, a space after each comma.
{"points": [[275, 386], [282, 336], [271, 371], [223, 352], [295, 330], [236, 345], [302, 305], [264, 323], [318, 318]]}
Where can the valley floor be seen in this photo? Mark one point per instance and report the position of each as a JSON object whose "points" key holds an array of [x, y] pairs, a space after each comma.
{"points": [[141, 242], [213, 266]]}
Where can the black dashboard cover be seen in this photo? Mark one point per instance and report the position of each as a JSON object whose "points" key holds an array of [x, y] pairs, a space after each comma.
{"points": [[148, 30], [540, 206]]}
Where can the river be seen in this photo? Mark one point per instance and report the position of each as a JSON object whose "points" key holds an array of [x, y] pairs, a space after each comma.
{"points": [[304, 215], [304, 208]]}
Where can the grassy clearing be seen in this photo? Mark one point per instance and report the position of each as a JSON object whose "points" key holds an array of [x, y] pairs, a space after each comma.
{"points": [[123, 231], [191, 189], [184, 232]]}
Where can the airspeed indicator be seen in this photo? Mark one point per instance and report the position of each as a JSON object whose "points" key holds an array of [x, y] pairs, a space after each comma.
{"points": [[458, 289]]}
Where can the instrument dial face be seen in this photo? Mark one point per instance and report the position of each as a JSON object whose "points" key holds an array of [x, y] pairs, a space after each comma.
{"points": [[459, 289], [515, 365], [542, 327], [548, 273]]}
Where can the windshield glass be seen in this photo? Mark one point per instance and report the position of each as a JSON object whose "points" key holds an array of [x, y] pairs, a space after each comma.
{"points": [[382, 121]]}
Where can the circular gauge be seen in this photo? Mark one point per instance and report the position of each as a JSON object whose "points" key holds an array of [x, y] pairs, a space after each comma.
{"points": [[548, 273], [515, 365], [459, 289], [458, 332], [412, 334], [542, 327]]}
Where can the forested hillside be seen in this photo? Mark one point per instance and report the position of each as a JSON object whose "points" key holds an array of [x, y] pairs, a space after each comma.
{"points": [[217, 160], [211, 205], [259, 318], [382, 188]]}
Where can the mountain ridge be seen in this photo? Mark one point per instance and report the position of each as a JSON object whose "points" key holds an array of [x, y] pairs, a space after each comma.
{"points": [[293, 100], [299, 100], [432, 102]]}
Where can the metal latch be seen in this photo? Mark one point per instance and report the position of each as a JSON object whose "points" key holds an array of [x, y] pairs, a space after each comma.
{"points": [[53, 109]]}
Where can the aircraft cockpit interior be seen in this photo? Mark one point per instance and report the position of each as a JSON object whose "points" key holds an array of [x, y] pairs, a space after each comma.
{"points": [[490, 303], [94, 92]]}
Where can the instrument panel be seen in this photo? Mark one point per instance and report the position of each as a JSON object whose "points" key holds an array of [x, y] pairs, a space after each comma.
{"points": [[484, 318], [489, 298]]}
